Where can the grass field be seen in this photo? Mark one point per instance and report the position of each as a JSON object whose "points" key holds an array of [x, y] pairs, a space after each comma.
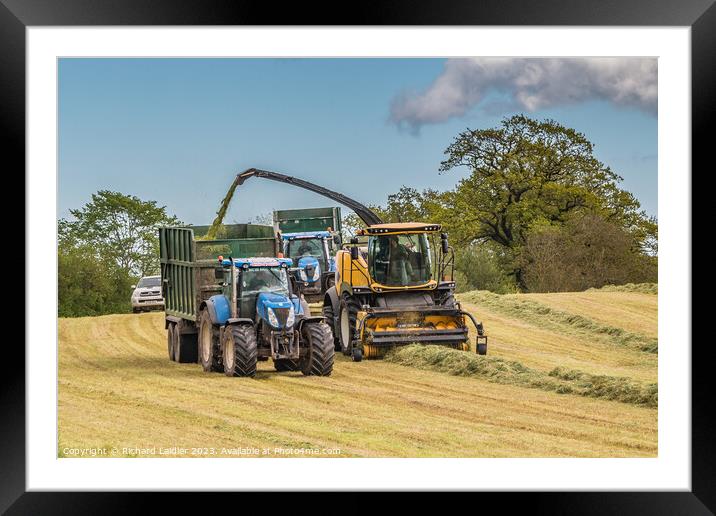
{"points": [[118, 391]]}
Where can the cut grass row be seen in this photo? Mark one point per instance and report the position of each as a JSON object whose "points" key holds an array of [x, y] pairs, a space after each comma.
{"points": [[498, 370], [542, 315]]}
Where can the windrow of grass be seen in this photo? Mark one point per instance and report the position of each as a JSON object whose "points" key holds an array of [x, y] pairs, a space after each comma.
{"points": [[641, 288], [498, 370], [547, 317]]}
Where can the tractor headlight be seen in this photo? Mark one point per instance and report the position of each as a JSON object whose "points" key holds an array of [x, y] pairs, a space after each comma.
{"points": [[291, 318], [273, 320]]}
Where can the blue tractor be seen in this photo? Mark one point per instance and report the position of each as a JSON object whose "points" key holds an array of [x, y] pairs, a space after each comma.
{"points": [[311, 251], [259, 315]]}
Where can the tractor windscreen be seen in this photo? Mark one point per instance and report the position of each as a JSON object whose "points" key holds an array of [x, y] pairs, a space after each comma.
{"points": [[400, 260], [264, 279], [301, 247]]}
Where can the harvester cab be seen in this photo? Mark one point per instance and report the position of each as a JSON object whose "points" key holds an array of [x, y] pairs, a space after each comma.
{"points": [[258, 316], [396, 290]]}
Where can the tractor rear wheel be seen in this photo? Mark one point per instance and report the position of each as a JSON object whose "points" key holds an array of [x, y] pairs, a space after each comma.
{"points": [[170, 341], [209, 345], [240, 350], [318, 361], [347, 315], [285, 364]]}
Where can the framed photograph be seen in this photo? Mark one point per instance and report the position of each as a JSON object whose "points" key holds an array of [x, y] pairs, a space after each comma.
{"points": [[432, 250]]}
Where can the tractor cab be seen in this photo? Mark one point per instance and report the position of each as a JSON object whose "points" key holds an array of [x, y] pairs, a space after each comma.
{"points": [[311, 252]]}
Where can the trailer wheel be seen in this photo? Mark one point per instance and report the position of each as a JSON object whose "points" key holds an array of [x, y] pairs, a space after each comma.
{"points": [[240, 350], [347, 314], [209, 346], [318, 361], [329, 316], [285, 364], [185, 347], [170, 341]]}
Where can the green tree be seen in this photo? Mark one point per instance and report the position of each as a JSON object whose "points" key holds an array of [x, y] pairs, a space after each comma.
{"points": [[88, 286], [525, 174], [120, 229]]}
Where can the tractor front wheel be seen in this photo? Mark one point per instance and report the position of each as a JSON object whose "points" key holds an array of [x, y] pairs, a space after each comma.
{"points": [[240, 350], [318, 361]]}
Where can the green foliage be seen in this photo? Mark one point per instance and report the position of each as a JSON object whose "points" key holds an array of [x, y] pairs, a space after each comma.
{"points": [[90, 286], [120, 229], [112, 241], [498, 370], [587, 251], [479, 267], [526, 173]]}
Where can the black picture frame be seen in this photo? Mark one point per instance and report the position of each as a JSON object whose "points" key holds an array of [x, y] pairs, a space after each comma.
{"points": [[16, 15]]}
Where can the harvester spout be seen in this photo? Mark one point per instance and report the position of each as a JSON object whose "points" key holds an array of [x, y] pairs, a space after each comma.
{"points": [[365, 213]]}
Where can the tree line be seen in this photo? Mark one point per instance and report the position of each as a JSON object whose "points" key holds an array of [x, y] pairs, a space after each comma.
{"points": [[538, 212]]}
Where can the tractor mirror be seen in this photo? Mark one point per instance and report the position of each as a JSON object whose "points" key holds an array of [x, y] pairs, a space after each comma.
{"points": [[337, 239], [133, 287], [444, 243], [354, 253], [219, 273], [354, 241]]}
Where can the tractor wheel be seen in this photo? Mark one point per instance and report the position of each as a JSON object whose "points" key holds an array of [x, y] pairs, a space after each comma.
{"points": [[170, 341], [347, 314], [285, 364], [209, 346], [240, 350], [329, 316], [318, 361]]}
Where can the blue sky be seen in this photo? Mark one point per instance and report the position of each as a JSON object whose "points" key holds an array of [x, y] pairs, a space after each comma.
{"points": [[178, 130]]}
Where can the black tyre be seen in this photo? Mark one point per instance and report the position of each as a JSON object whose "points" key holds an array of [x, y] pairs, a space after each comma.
{"points": [[347, 314], [284, 364], [135, 310], [240, 350], [170, 341], [318, 361], [329, 317], [185, 346], [209, 346], [356, 355]]}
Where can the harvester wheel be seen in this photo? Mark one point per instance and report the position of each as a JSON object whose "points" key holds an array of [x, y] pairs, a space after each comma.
{"points": [[347, 314], [318, 361], [285, 364], [170, 341], [329, 316], [240, 350], [209, 345], [356, 355]]}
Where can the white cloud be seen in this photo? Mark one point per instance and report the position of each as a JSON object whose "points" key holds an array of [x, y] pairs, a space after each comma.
{"points": [[531, 83]]}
